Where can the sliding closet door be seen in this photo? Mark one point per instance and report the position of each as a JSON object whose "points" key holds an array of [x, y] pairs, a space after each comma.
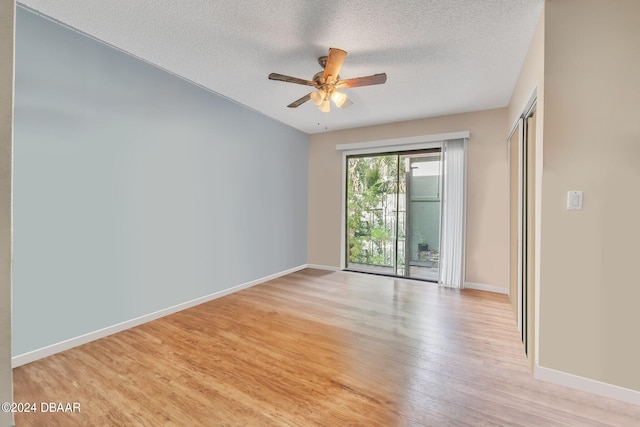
{"points": [[522, 147], [515, 225], [529, 150]]}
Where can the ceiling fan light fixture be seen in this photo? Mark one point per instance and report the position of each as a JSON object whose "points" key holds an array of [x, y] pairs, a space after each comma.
{"points": [[325, 106], [326, 81], [338, 98], [317, 97]]}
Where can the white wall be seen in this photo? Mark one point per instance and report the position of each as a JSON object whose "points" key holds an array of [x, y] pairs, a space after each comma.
{"points": [[589, 279], [6, 107], [136, 191]]}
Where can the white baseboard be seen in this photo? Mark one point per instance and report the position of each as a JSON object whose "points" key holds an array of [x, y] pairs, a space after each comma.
{"points": [[323, 267], [585, 384], [43, 352], [488, 288]]}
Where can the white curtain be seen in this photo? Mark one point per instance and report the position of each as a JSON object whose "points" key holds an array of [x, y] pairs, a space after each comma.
{"points": [[452, 241]]}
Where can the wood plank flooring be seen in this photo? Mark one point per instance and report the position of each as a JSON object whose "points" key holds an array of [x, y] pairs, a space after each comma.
{"points": [[314, 348]]}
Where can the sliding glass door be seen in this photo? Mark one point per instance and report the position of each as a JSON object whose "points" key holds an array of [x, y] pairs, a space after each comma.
{"points": [[393, 213]]}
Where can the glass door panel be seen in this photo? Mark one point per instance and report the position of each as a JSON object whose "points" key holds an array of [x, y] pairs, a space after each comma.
{"points": [[423, 177], [372, 219]]}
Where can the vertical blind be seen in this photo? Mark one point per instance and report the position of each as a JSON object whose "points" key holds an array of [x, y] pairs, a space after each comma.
{"points": [[452, 241]]}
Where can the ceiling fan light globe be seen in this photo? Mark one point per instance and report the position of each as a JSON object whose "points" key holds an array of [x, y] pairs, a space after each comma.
{"points": [[338, 98], [325, 106], [317, 97]]}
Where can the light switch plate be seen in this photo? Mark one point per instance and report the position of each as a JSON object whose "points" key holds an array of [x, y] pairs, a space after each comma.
{"points": [[574, 200]]}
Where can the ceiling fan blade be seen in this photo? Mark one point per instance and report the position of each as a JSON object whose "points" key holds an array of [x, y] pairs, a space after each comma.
{"points": [[289, 79], [334, 63], [375, 79], [300, 101]]}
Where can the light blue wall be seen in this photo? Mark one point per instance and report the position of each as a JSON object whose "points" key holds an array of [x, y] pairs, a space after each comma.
{"points": [[135, 191]]}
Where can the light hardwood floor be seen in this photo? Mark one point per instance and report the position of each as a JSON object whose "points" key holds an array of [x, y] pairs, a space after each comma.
{"points": [[315, 348]]}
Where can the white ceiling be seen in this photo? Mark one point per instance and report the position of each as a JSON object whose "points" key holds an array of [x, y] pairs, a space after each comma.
{"points": [[441, 56]]}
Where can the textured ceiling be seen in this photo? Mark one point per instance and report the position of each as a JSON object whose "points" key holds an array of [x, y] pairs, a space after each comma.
{"points": [[441, 57]]}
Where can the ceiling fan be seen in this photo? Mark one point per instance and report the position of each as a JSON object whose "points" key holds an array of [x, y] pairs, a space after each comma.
{"points": [[328, 81]]}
